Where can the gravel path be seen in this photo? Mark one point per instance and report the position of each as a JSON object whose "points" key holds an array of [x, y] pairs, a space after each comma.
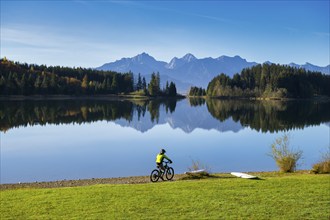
{"points": [[83, 182]]}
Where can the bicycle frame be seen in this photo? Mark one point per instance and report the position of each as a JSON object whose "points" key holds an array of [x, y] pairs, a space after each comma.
{"points": [[164, 165]]}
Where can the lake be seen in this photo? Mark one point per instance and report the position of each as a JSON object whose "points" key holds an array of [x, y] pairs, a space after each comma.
{"points": [[77, 139]]}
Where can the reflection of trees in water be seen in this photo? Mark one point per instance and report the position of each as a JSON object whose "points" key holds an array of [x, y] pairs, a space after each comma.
{"points": [[259, 115], [153, 108], [24, 113], [270, 115], [195, 101]]}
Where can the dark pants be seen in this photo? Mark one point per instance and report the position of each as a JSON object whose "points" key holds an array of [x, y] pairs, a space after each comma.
{"points": [[161, 166]]}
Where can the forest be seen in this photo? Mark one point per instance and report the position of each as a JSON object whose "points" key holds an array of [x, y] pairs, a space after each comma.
{"points": [[31, 79], [271, 81]]}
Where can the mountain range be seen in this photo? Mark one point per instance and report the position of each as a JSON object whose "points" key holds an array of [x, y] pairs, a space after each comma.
{"points": [[188, 70]]}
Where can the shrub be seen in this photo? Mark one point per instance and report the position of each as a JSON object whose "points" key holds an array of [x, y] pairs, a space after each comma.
{"points": [[286, 158], [196, 165], [324, 165]]}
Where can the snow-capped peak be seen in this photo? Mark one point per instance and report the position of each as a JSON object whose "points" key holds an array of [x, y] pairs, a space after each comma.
{"points": [[173, 63], [142, 58], [189, 57]]}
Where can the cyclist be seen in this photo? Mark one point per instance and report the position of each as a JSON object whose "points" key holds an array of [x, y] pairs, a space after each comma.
{"points": [[159, 159]]}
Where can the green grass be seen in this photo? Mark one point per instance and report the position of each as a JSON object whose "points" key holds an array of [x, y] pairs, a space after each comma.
{"points": [[275, 196]]}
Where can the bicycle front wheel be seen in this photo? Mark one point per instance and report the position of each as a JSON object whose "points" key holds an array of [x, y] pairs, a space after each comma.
{"points": [[154, 176], [169, 173]]}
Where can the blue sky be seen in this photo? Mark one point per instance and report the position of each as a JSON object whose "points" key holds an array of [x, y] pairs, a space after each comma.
{"points": [[91, 33]]}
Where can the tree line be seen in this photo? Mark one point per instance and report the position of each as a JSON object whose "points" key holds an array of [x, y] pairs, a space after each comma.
{"points": [[271, 81], [31, 79]]}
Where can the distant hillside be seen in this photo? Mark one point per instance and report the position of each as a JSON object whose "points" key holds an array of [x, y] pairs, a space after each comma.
{"points": [[311, 67]]}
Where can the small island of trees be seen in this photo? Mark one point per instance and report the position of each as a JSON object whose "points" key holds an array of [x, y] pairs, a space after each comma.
{"points": [[271, 81]]}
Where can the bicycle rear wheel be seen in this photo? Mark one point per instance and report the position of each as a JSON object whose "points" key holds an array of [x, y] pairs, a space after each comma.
{"points": [[154, 176], [169, 173]]}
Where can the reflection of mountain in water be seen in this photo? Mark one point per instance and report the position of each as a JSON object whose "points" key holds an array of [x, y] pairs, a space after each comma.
{"points": [[184, 117], [187, 115]]}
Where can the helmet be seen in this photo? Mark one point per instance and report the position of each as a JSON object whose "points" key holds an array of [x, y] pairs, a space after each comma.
{"points": [[163, 151]]}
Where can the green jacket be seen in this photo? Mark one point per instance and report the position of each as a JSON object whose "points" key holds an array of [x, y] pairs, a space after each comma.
{"points": [[160, 158]]}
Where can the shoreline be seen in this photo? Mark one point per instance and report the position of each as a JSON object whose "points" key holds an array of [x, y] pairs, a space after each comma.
{"points": [[112, 97], [109, 97], [131, 180]]}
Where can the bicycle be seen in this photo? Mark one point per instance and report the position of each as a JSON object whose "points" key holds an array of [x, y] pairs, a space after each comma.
{"points": [[158, 173]]}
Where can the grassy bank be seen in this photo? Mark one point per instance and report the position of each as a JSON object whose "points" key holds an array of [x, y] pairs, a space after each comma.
{"points": [[285, 196]]}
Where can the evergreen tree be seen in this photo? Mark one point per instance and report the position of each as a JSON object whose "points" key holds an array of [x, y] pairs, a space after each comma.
{"points": [[144, 85], [114, 84], [167, 89], [158, 81], [44, 85], [172, 90], [103, 85], [53, 83], [84, 83], [37, 84], [139, 83], [2, 85], [154, 85], [128, 83], [23, 85]]}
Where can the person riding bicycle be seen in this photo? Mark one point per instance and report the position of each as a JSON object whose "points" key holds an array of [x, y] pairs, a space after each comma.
{"points": [[159, 159]]}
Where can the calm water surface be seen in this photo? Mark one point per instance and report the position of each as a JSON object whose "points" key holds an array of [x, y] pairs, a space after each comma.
{"points": [[55, 140]]}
